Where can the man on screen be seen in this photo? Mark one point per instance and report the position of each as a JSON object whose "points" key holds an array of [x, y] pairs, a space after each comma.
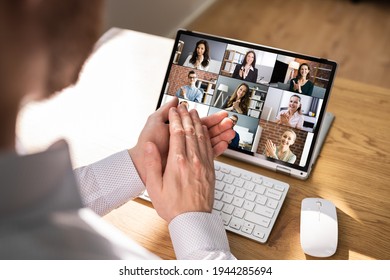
{"points": [[190, 91]]}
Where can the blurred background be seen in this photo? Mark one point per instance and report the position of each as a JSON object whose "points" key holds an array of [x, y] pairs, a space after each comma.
{"points": [[356, 34]]}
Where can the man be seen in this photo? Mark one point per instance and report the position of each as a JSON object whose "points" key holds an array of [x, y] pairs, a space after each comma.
{"points": [[43, 45], [190, 91], [234, 143]]}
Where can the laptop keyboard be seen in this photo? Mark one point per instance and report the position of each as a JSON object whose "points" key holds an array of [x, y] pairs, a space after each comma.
{"points": [[248, 203]]}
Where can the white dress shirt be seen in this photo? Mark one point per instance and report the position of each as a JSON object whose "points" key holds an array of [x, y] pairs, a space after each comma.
{"points": [[42, 215]]}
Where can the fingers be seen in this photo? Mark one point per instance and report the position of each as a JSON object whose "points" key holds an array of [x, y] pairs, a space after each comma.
{"points": [[214, 119], [224, 137], [209, 147], [217, 129], [191, 131], [163, 111], [188, 137], [219, 148], [177, 141], [220, 131], [202, 135], [153, 169]]}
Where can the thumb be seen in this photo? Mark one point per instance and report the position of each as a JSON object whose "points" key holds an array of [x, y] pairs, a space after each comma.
{"points": [[153, 168]]}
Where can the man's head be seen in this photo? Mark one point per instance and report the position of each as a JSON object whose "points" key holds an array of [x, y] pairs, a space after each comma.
{"points": [[43, 45], [234, 119], [192, 78]]}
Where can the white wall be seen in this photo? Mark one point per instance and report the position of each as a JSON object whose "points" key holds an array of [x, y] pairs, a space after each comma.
{"points": [[156, 17]]}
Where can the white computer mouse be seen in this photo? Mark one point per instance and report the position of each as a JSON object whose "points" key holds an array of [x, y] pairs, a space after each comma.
{"points": [[319, 227]]}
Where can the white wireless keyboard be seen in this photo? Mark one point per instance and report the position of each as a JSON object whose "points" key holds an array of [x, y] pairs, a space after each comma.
{"points": [[248, 203]]}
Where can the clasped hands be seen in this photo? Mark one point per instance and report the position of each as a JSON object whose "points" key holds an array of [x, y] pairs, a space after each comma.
{"points": [[297, 86], [270, 149], [285, 118], [176, 160]]}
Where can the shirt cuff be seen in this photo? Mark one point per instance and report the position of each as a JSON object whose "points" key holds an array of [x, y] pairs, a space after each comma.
{"points": [[109, 183], [199, 235]]}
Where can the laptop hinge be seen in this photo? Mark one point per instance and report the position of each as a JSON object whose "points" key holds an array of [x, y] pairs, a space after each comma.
{"points": [[284, 170]]}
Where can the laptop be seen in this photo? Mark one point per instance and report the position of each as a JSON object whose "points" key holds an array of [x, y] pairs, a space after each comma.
{"points": [[277, 97]]}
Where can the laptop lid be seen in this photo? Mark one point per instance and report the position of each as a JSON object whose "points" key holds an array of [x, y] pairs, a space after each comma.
{"points": [[277, 98]]}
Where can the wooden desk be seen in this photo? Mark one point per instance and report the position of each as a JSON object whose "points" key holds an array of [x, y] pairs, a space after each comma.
{"points": [[352, 170]]}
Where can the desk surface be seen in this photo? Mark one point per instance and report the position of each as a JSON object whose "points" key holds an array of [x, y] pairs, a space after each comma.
{"points": [[352, 170]]}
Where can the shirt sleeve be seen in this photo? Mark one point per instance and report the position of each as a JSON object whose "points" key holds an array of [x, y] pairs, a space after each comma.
{"points": [[199, 95], [207, 235], [109, 183], [278, 116], [236, 72]]}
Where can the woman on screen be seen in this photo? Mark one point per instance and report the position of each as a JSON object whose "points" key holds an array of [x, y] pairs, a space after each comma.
{"points": [[282, 151], [239, 101], [301, 83], [293, 115], [200, 58], [247, 70]]}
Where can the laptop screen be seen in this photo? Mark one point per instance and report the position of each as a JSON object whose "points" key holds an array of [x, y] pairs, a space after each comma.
{"points": [[276, 98]]}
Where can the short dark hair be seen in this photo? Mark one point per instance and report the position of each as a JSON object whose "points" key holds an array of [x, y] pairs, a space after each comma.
{"points": [[191, 72]]}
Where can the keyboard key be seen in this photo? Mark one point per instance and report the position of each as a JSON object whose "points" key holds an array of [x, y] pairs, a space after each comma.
{"points": [[258, 180], [219, 185], [273, 194], [225, 218], [249, 186], [218, 205], [250, 196], [248, 205], [257, 219], [229, 189], [261, 199], [279, 187], [265, 211], [228, 198], [218, 195], [228, 179], [235, 223], [258, 232], [249, 224], [238, 201], [268, 184], [239, 192], [272, 203], [239, 212], [219, 175], [227, 208], [247, 230], [238, 182], [260, 189], [225, 170]]}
